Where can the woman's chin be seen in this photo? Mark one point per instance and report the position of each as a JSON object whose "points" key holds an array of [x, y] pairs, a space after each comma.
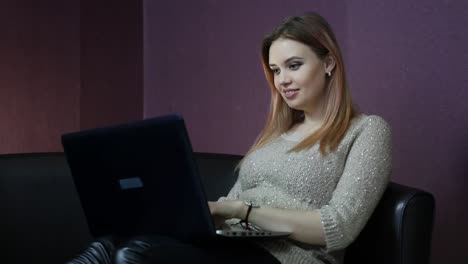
{"points": [[294, 106]]}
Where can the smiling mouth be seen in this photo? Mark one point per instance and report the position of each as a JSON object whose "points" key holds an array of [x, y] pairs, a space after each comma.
{"points": [[290, 93]]}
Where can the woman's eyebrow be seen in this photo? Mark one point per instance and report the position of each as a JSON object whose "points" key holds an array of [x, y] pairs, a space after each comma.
{"points": [[288, 60], [293, 58]]}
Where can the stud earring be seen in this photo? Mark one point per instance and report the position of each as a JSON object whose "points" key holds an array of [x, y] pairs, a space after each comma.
{"points": [[329, 73]]}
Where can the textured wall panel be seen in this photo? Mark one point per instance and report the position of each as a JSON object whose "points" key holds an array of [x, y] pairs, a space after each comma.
{"points": [[39, 74]]}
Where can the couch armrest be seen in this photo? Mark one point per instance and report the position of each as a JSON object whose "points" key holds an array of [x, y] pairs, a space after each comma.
{"points": [[399, 231]]}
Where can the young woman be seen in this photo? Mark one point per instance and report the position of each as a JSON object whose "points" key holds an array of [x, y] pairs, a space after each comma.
{"points": [[317, 170]]}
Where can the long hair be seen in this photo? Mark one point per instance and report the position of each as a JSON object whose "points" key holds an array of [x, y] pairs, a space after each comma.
{"points": [[312, 30]]}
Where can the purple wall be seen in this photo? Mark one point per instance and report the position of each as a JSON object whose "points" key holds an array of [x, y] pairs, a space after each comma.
{"points": [[65, 66], [111, 65], [406, 61], [39, 74]]}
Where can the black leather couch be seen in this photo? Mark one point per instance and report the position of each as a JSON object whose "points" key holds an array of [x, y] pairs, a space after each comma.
{"points": [[41, 220]]}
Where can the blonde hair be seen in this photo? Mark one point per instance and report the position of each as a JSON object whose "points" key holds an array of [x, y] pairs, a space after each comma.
{"points": [[312, 30]]}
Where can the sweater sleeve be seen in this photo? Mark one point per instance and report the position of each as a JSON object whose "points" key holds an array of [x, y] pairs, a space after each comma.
{"points": [[364, 179]]}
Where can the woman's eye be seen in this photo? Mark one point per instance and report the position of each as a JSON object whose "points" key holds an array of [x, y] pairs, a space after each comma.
{"points": [[275, 71], [295, 66]]}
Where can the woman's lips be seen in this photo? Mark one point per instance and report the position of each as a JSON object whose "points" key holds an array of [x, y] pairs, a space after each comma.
{"points": [[291, 93]]}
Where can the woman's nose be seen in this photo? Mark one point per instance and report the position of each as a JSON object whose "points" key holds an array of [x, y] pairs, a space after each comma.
{"points": [[284, 78]]}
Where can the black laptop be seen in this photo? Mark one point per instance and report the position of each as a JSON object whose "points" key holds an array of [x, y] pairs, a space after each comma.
{"points": [[141, 178]]}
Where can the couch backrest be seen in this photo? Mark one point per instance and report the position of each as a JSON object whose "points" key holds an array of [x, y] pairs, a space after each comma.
{"points": [[217, 173]]}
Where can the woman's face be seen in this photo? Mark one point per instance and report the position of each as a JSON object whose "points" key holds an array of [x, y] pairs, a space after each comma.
{"points": [[299, 74]]}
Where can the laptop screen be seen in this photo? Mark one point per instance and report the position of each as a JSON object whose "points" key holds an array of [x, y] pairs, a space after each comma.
{"points": [[139, 178]]}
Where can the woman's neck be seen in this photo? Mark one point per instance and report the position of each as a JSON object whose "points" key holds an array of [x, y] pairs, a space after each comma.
{"points": [[314, 117]]}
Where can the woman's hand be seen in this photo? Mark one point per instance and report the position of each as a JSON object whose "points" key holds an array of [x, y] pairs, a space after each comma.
{"points": [[224, 210]]}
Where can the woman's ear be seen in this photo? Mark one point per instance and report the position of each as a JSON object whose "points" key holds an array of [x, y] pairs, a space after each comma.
{"points": [[329, 63]]}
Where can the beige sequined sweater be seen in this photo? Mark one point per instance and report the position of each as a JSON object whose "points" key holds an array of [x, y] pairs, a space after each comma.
{"points": [[345, 186]]}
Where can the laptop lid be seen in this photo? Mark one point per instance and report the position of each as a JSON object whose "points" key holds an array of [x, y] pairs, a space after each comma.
{"points": [[139, 178]]}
